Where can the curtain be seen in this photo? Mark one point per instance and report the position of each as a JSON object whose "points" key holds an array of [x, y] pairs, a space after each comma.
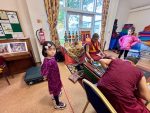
{"points": [[52, 10], [104, 18]]}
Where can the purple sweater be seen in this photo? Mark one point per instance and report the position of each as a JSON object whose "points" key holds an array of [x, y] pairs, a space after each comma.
{"points": [[50, 69], [127, 41]]}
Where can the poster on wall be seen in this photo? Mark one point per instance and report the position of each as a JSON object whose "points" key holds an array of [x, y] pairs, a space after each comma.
{"points": [[18, 35], [7, 28], [13, 17], [1, 31], [4, 48], [3, 15], [4, 21]]}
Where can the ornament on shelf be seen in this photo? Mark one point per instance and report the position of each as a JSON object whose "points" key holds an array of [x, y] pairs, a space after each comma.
{"points": [[65, 37]]}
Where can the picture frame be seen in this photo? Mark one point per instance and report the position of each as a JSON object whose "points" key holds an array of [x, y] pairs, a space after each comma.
{"points": [[16, 47], [4, 48]]}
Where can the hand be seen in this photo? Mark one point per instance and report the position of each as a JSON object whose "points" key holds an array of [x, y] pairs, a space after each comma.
{"points": [[91, 60]]}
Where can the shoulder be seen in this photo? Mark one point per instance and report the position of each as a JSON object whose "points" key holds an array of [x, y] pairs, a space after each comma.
{"points": [[48, 62], [134, 36]]}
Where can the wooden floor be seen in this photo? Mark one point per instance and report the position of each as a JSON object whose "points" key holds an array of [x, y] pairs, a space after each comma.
{"points": [[20, 98]]}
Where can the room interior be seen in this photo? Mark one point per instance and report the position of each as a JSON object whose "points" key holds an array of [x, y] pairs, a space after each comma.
{"points": [[18, 97]]}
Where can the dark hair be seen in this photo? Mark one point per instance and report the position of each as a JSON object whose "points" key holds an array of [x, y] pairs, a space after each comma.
{"points": [[44, 48], [132, 29], [95, 35], [133, 59]]}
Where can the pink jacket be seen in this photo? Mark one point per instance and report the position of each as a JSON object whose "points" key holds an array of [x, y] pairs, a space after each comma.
{"points": [[127, 41]]}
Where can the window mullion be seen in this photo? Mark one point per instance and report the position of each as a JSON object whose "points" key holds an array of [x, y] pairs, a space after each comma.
{"points": [[81, 1], [95, 5]]}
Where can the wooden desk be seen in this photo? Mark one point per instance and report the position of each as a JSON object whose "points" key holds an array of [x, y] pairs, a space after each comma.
{"points": [[19, 62]]}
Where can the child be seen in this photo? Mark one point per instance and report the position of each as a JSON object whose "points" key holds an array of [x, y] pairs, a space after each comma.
{"points": [[126, 42], [50, 71]]}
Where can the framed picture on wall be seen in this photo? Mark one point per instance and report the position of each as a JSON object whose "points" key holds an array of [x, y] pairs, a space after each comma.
{"points": [[16, 47]]}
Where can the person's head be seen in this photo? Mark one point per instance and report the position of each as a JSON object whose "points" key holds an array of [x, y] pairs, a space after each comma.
{"points": [[49, 49], [95, 37], [131, 31], [132, 59]]}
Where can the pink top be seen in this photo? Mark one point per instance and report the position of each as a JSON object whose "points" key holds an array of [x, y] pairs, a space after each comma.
{"points": [[127, 41], [119, 84]]}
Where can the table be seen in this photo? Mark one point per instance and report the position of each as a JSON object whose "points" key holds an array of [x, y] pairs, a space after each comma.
{"points": [[93, 75]]}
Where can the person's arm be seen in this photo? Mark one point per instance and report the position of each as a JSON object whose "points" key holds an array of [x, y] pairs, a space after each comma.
{"points": [[105, 62], [101, 53], [87, 52], [120, 41], [143, 89], [135, 40]]}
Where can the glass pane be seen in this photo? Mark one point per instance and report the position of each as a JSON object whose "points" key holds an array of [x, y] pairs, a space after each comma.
{"points": [[73, 3], [86, 21], [98, 17], [88, 5], [73, 23], [61, 2], [97, 24], [99, 6], [61, 26]]}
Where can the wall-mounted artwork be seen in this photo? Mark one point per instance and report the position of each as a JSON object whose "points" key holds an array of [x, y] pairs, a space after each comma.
{"points": [[10, 25]]}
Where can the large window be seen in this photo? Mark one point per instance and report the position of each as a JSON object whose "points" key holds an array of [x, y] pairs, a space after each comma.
{"points": [[76, 15]]}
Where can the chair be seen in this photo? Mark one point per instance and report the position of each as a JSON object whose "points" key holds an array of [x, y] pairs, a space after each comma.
{"points": [[4, 69], [97, 99]]}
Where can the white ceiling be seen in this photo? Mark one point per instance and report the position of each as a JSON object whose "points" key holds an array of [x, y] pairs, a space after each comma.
{"points": [[138, 3]]}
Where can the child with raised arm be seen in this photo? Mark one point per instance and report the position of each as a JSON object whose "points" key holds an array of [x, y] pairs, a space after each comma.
{"points": [[50, 71], [127, 41]]}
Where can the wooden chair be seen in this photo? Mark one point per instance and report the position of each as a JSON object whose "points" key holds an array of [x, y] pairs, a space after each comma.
{"points": [[4, 69], [97, 99]]}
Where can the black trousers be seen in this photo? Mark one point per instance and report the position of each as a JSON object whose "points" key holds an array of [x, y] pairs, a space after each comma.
{"points": [[125, 54], [56, 99]]}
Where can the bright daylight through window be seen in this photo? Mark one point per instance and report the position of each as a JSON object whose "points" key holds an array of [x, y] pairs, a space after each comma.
{"points": [[76, 15]]}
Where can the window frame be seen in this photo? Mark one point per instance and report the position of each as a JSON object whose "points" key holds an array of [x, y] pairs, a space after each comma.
{"points": [[81, 13]]}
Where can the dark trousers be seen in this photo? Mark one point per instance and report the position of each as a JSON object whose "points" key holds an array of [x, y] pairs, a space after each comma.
{"points": [[56, 99], [125, 54]]}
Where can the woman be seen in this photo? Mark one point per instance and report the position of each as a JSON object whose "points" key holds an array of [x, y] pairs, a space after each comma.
{"points": [[93, 51], [126, 42], [123, 84]]}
